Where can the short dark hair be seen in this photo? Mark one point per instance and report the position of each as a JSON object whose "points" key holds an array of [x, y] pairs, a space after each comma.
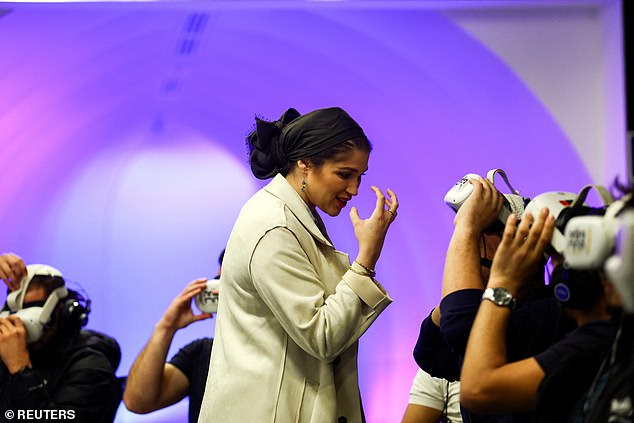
{"points": [[47, 282]]}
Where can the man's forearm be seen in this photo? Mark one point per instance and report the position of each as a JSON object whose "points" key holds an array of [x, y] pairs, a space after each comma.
{"points": [[144, 383], [462, 263], [486, 350]]}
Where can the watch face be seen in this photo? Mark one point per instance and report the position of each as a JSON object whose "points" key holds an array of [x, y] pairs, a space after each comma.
{"points": [[499, 296], [502, 297]]}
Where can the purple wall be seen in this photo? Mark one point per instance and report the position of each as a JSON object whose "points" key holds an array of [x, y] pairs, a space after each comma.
{"points": [[121, 140]]}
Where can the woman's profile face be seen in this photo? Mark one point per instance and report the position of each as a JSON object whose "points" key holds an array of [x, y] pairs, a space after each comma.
{"points": [[331, 185]]}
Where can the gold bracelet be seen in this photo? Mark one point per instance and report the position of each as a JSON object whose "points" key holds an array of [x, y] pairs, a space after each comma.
{"points": [[369, 272], [358, 273]]}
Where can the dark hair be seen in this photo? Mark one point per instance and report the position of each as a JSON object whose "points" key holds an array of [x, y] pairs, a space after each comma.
{"points": [[577, 289], [625, 190], [46, 282], [319, 136], [335, 154]]}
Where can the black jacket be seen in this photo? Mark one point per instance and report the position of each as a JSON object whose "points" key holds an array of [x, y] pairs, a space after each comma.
{"points": [[74, 376]]}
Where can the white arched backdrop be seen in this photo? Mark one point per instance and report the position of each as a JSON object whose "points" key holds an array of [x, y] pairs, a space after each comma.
{"points": [[122, 137]]}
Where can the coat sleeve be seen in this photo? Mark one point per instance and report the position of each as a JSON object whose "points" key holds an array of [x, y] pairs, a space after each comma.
{"points": [[322, 325]]}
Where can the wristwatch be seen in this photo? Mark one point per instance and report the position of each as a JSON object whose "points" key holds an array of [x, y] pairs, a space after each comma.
{"points": [[499, 296]]}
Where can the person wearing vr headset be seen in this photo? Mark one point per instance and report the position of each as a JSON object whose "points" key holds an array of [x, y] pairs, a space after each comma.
{"points": [[550, 383], [50, 367], [607, 243], [152, 382], [538, 321]]}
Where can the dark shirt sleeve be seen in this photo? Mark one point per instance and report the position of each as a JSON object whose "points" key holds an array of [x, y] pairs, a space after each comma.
{"points": [[187, 358], [592, 339], [433, 354], [193, 361], [570, 366], [457, 313], [536, 323]]}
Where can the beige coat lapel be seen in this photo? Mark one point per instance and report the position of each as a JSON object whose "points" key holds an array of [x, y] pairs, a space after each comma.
{"points": [[280, 188]]}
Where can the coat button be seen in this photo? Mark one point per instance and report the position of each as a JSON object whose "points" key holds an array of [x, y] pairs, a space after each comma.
{"points": [[342, 419]]}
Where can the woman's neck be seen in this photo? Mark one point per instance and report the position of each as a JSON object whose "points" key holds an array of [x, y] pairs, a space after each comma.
{"points": [[295, 181]]}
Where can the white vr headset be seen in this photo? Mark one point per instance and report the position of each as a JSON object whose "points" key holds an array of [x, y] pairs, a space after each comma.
{"points": [[207, 300], [34, 318], [605, 241], [461, 190], [564, 206]]}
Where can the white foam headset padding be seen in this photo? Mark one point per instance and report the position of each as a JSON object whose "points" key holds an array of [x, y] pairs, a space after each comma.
{"points": [[30, 318], [35, 318], [619, 268], [15, 299]]}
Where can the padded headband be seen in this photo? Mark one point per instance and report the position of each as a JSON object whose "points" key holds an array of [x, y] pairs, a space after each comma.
{"points": [[15, 299]]}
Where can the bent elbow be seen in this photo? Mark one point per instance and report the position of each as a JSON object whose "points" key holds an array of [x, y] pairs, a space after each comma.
{"points": [[136, 405], [474, 397]]}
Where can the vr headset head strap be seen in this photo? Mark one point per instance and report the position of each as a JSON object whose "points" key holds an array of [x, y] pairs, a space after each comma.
{"points": [[51, 302], [15, 299]]}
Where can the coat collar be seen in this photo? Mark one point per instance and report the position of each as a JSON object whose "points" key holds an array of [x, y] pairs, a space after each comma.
{"points": [[280, 188]]}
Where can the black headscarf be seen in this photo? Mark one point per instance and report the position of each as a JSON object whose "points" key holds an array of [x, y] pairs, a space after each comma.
{"points": [[293, 137]]}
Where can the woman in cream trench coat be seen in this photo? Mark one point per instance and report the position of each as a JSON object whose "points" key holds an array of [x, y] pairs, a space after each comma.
{"points": [[291, 307]]}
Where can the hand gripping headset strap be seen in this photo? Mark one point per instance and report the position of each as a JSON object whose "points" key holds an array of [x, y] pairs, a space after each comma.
{"points": [[51, 303], [491, 177], [605, 195]]}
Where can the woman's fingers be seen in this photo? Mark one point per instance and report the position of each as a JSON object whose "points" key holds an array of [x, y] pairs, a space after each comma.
{"points": [[392, 203]]}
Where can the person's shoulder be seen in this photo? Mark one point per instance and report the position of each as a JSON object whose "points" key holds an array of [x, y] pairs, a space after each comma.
{"points": [[200, 343], [262, 212], [193, 352], [99, 343], [462, 297]]}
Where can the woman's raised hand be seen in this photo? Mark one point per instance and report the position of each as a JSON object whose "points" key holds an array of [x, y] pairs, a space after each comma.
{"points": [[371, 232]]}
